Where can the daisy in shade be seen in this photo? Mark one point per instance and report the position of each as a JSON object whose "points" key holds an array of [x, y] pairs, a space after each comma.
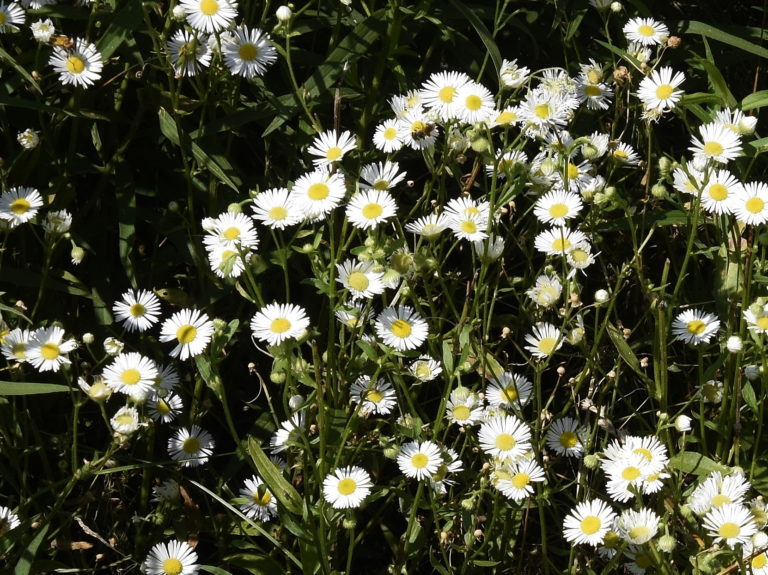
{"points": [[8, 520], [354, 316], [347, 488], [125, 421], [191, 446], [546, 292], [425, 368], [439, 92], [506, 437], [419, 460], [210, 15], [79, 65], [381, 176], [625, 154], [47, 348], [131, 374], [189, 53], [377, 398], [13, 345], [557, 207], [430, 226], [474, 103], [277, 322], [717, 194], [597, 96], [731, 523], [646, 31], [369, 208], [191, 329], [289, 432], [659, 90], [360, 279], [589, 522], [516, 481], [19, 205], [386, 138], [10, 15], [167, 378], [756, 317], [509, 389], [318, 192], [566, 437], [330, 147], [172, 558], [542, 112], [718, 143], [749, 203], [512, 75], [42, 30], [275, 209], [695, 326], [401, 327], [138, 310], [226, 262], [558, 241], [57, 222], [165, 408], [544, 341], [261, 505], [248, 52]]}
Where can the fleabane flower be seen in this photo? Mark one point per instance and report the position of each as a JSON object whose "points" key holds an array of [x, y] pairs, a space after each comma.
{"points": [[13, 345], [131, 374], [546, 292], [317, 193], [248, 52], [717, 143], [425, 368], [544, 341], [360, 278], [646, 31], [589, 522], [137, 310], [276, 209], [381, 176], [556, 207], [8, 520], [375, 397], [231, 230], [659, 90], [347, 487], [368, 208], [419, 460], [261, 505], [79, 65], [210, 15], [19, 205], [731, 523], [191, 329], [558, 241], [11, 14], [756, 317], [506, 437], [401, 327], [330, 147], [509, 389], [512, 75], [386, 137], [47, 348], [566, 436], [516, 480], [638, 527], [189, 52], [193, 446], [749, 203], [126, 420], [172, 558], [439, 93], [474, 103], [718, 193], [276, 323], [695, 326]]}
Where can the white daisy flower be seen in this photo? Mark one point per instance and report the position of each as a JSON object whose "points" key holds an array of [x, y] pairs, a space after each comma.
{"points": [[289, 432], [749, 203], [566, 437], [404, 103], [167, 378], [275, 209], [172, 558], [659, 90], [192, 447], [368, 208], [718, 192], [425, 368], [330, 147], [248, 52], [557, 207], [506, 437], [419, 460], [694, 326], [226, 262], [440, 93], [19, 205], [57, 222], [558, 241], [261, 504], [545, 340], [231, 230], [125, 420], [377, 398], [474, 103], [731, 523], [625, 154], [131, 374], [546, 292], [10, 15], [543, 111], [79, 65], [464, 407], [276, 323], [164, 408], [381, 176], [317, 193], [401, 328], [47, 348], [515, 482], [625, 475], [191, 329], [718, 490], [756, 317], [42, 30], [13, 345], [347, 488], [736, 121], [210, 15], [512, 75], [8, 520], [588, 522], [597, 96], [189, 53], [360, 278], [651, 449], [509, 116], [430, 226], [468, 227], [138, 310], [417, 130], [718, 143], [386, 137], [646, 31], [509, 389], [354, 316]]}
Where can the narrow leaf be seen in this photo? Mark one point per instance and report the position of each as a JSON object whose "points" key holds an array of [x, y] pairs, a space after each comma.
{"points": [[29, 388], [280, 488]]}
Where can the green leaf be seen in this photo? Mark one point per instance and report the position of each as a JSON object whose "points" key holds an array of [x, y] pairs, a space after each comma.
{"points": [[716, 78], [709, 31], [695, 463], [122, 28], [748, 394], [256, 564], [29, 388], [620, 53], [28, 104], [214, 570], [280, 488], [6, 57], [482, 31], [755, 100], [628, 355], [24, 565]]}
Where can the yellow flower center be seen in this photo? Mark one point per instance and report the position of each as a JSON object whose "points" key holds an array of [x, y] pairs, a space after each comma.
{"points": [[419, 460], [20, 206], [568, 439], [162, 407], [542, 111], [186, 334], [191, 445], [754, 205], [374, 395], [358, 281], [713, 148], [468, 227], [333, 154], [558, 210], [647, 455], [561, 245], [547, 345], [124, 419], [172, 566], [261, 500], [209, 7], [248, 52], [390, 134], [594, 76], [729, 530], [639, 532], [718, 192], [759, 562], [318, 192], [573, 171], [231, 234], [646, 30], [19, 350], [664, 91], [762, 323], [621, 154], [506, 117], [130, 376], [137, 310], [509, 393], [630, 473], [592, 91], [505, 442], [590, 524], [422, 370], [3, 20], [720, 499], [461, 412], [277, 213], [473, 102], [520, 480], [401, 328], [579, 256], [280, 325], [696, 327], [74, 65], [372, 211], [380, 185], [346, 486], [49, 351], [418, 127], [446, 94]]}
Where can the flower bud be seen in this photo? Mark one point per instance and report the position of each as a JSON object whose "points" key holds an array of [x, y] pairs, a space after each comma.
{"points": [[734, 344], [601, 296], [179, 13], [283, 13], [683, 423]]}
